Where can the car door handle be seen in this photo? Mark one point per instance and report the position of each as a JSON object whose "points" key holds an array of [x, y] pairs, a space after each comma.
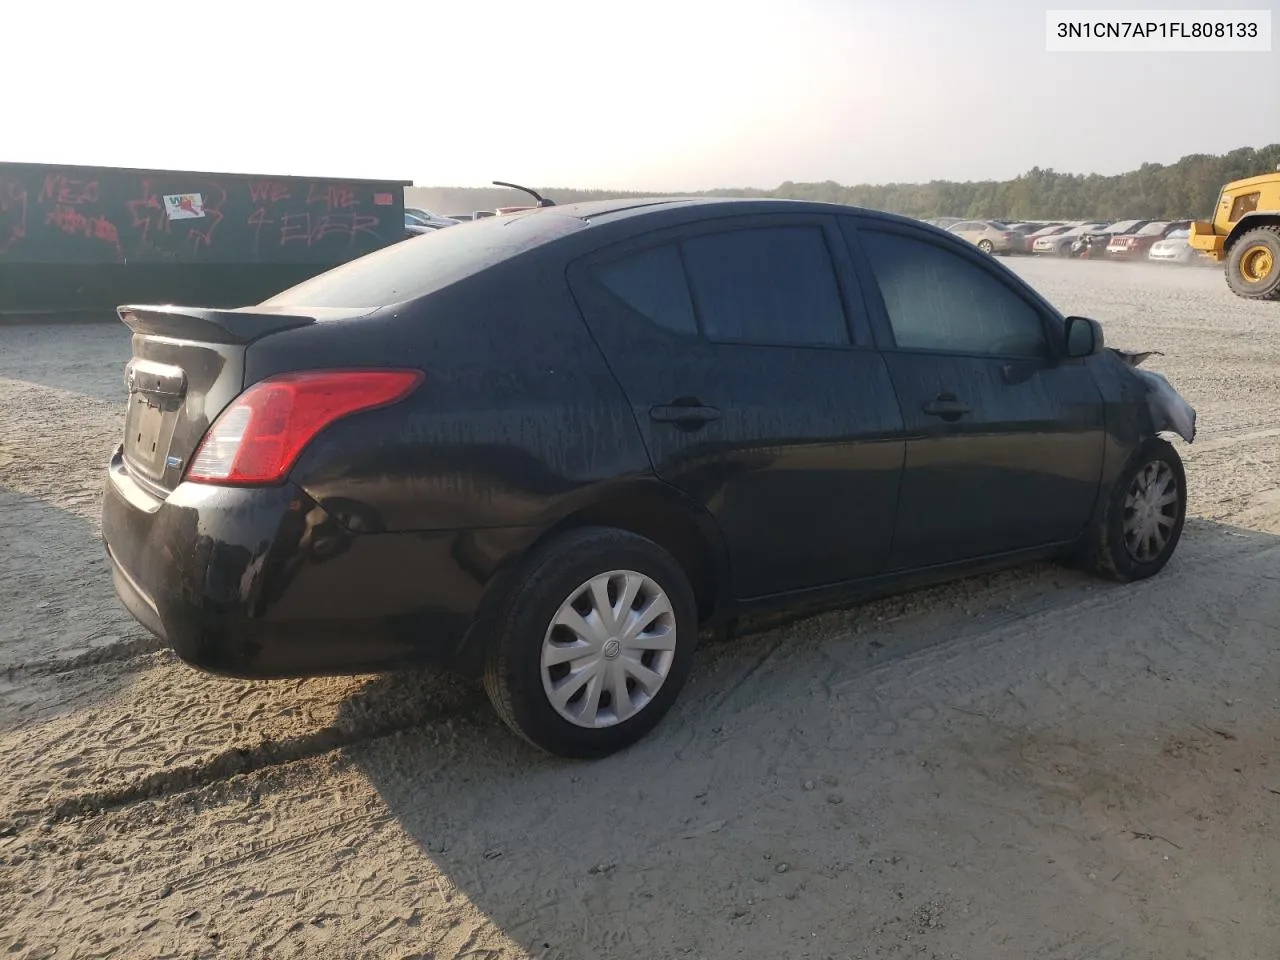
{"points": [[686, 416], [947, 407]]}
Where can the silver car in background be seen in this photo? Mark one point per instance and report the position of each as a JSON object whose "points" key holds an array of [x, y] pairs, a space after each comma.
{"points": [[1059, 244], [1175, 248]]}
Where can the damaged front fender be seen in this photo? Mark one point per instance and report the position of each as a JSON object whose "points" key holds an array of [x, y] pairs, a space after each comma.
{"points": [[1169, 412]]}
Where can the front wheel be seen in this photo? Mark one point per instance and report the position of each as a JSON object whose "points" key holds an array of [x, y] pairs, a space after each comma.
{"points": [[594, 645], [1142, 523], [1253, 266]]}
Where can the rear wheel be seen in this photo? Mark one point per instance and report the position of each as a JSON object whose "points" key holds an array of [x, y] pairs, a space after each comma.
{"points": [[594, 644], [1143, 520], [986, 246], [1253, 266]]}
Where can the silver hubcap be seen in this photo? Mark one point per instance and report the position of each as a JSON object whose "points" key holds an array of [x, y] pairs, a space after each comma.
{"points": [[609, 648], [1150, 511]]}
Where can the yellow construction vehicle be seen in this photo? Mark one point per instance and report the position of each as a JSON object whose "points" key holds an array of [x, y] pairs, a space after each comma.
{"points": [[1245, 232]]}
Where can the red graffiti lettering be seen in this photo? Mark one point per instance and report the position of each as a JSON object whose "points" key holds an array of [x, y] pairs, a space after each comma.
{"points": [[345, 224], [13, 214], [267, 191], [258, 220], [201, 232], [334, 198], [307, 230], [295, 228], [60, 189], [74, 223], [148, 212]]}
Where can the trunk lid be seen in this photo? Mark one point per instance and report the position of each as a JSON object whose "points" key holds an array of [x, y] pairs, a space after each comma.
{"points": [[187, 366]]}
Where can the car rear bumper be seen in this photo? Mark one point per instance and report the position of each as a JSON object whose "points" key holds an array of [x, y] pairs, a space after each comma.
{"points": [[261, 583]]}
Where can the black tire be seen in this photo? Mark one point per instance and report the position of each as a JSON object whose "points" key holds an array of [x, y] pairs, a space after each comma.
{"points": [[1108, 553], [513, 669], [986, 246], [1267, 288]]}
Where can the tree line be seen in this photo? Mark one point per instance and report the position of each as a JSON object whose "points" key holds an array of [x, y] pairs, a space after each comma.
{"points": [[1186, 189]]}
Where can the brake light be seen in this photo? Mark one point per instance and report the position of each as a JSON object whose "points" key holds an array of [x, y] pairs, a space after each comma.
{"points": [[257, 439]]}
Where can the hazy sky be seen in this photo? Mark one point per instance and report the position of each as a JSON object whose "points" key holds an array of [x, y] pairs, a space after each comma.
{"points": [[616, 94]]}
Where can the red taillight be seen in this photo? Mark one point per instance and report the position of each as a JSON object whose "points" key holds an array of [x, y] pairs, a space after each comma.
{"points": [[257, 439]]}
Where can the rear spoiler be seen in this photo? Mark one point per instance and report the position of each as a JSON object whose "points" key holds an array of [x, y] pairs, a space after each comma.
{"points": [[208, 325]]}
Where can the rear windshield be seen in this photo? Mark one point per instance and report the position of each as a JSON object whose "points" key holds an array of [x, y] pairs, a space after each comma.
{"points": [[413, 268]]}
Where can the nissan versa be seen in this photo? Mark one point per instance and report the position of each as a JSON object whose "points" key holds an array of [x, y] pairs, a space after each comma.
{"points": [[545, 448]]}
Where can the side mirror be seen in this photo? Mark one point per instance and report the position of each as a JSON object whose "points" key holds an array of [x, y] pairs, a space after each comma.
{"points": [[1083, 337]]}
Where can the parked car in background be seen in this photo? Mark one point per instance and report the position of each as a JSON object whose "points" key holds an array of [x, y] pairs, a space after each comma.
{"points": [[1023, 231], [1175, 248], [1045, 230], [423, 218], [987, 235], [1136, 245], [1093, 244], [375, 468], [943, 222], [1059, 244]]}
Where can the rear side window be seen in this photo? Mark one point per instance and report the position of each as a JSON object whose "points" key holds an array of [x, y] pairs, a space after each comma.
{"points": [[419, 266], [938, 300], [652, 283], [771, 285]]}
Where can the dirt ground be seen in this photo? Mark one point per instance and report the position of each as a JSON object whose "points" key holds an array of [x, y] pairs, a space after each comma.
{"points": [[1031, 764]]}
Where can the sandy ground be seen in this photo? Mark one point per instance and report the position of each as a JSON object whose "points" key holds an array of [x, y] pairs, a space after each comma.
{"points": [[1031, 764]]}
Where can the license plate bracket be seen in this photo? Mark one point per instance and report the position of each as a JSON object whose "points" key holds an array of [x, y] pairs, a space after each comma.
{"points": [[142, 435]]}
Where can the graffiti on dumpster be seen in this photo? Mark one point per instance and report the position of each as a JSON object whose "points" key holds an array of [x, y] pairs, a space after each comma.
{"points": [[13, 214], [97, 215], [329, 212]]}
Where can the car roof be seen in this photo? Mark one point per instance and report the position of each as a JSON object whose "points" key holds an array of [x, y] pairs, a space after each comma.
{"points": [[600, 211]]}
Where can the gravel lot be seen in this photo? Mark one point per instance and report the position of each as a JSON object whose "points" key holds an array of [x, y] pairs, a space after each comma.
{"points": [[1031, 764]]}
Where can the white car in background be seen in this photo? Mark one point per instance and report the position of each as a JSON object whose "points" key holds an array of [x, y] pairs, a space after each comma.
{"points": [[1175, 248]]}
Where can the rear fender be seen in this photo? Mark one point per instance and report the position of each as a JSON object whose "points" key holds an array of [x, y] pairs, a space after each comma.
{"points": [[644, 505]]}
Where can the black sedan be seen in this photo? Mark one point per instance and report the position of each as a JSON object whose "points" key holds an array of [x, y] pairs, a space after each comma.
{"points": [[545, 449]]}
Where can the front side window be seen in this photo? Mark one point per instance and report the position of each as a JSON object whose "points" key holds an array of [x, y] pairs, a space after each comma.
{"points": [[940, 301]]}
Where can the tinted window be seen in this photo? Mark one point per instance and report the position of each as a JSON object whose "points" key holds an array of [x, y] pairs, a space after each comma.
{"points": [[418, 266], [772, 285], [938, 300], [653, 284]]}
